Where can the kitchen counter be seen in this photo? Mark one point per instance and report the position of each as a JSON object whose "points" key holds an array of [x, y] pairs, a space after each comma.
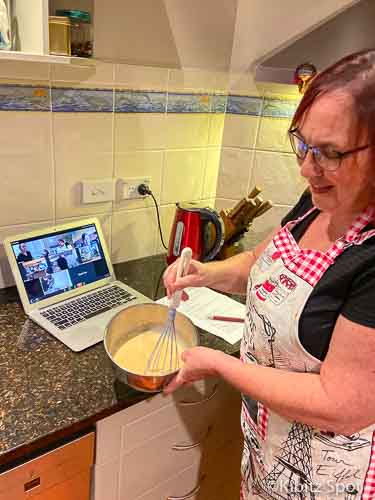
{"points": [[49, 393]]}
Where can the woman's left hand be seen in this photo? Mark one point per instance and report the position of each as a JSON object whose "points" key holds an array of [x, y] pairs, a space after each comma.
{"points": [[199, 363]]}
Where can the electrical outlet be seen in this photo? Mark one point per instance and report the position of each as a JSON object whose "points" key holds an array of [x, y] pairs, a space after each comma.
{"points": [[130, 187], [97, 191]]}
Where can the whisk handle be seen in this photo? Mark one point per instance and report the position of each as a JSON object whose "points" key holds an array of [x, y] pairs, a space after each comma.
{"points": [[183, 266]]}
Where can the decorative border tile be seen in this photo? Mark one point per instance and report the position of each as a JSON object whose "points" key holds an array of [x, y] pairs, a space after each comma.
{"points": [[130, 101], [61, 99], [24, 98], [219, 103], [279, 108], [244, 105], [82, 100], [188, 103]]}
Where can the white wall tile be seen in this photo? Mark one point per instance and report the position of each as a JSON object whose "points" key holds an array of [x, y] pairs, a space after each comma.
{"points": [[141, 77], [211, 173], [215, 135], [26, 189], [21, 70], [240, 131], [187, 130], [138, 164], [98, 75], [235, 172], [183, 176], [71, 170], [273, 135], [133, 234], [278, 175], [195, 80], [25, 132], [83, 132], [139, 131]]}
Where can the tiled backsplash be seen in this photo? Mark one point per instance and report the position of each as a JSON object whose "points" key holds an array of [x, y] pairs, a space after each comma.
{"points": [[256, 151], [61, 125]]}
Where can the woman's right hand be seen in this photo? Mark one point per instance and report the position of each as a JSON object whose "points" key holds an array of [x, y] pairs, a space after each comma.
{"points": [[196, 275]]}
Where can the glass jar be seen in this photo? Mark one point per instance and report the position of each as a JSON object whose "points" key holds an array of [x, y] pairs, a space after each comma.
{"points": [[81, 32], [59, 35]]}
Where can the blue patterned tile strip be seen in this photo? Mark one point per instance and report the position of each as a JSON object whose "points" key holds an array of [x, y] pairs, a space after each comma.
{"points": [[244, 105], [82, 100], [279, 108], [129, 101], [219, 103], [24, 98], [188, 103], [38, 98]]}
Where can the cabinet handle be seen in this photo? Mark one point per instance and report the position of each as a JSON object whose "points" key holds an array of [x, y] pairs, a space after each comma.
{"points": [[188, 495], [190, 403], [30, 485], [184, 447]]}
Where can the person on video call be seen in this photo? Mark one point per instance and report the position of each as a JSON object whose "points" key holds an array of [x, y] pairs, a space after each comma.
{"points": [[62, 263], [25, 254]]}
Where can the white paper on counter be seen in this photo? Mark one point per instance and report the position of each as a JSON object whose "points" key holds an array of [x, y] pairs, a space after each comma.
{"points": [[203, 303]]}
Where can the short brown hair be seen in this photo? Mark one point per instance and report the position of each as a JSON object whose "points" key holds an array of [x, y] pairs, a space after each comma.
{"points": [[354, 74]]}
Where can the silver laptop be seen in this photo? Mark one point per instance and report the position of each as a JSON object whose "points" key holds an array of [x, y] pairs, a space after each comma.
{"points": [[66, 281]]}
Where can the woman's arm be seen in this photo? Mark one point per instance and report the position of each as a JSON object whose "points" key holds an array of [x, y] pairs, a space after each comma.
{"points": [[339, 399], [229, 275]]}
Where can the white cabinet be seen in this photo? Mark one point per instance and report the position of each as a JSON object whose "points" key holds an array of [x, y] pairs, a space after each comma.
{"points": [[30, 30], [166, 447]]}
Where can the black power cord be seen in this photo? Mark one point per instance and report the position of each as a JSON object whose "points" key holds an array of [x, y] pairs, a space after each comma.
{"points": [[144, 190]]}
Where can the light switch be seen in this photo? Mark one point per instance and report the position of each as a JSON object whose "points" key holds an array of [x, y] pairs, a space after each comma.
{"points": [[97, 190]]}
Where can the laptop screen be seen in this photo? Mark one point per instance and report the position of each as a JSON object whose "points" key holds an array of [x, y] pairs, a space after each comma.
{"points": [[55, 263]]}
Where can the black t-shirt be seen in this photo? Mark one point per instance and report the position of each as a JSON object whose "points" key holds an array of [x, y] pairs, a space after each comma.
{"points": [[21, 257], [347, 287]]}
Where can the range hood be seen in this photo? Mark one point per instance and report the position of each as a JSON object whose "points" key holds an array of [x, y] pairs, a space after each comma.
{"points": [[349, 31]]}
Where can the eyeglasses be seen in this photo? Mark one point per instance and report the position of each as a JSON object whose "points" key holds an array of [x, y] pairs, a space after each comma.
{"points": [[324, 156]]}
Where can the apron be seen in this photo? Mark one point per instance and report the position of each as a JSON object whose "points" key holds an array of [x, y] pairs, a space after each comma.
{"points": [[283, 459]]}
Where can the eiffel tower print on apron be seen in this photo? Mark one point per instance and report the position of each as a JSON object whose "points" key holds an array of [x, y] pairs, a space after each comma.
{"points": [[286, 460]]}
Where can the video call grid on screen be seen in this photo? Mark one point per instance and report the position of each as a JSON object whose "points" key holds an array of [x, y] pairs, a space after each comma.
{"points": [[60, 261]]}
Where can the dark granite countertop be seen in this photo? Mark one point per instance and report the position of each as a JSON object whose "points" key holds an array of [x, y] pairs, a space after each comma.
{"points": [[48, 392]]}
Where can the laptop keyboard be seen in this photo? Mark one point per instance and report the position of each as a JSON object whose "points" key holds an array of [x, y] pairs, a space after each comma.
{"points": [[87, 306]]}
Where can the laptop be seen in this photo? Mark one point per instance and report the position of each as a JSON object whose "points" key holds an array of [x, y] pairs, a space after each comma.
{"points": [[66, 282]]}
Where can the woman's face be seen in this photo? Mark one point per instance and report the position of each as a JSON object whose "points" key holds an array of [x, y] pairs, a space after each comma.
{"points": [[330, 121]]}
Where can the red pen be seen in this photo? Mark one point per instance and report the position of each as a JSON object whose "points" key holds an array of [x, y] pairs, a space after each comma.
{"points": [[232, 319]]}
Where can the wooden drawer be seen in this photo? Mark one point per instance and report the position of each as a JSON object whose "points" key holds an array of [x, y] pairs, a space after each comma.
{"points": [[61, 474], [155, 461]]}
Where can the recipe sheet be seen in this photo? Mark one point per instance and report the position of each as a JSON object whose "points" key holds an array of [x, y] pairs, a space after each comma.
{"points": [[203, 303]]}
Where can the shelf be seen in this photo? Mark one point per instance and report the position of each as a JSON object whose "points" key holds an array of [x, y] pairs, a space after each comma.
{"points": [[11, 55]]}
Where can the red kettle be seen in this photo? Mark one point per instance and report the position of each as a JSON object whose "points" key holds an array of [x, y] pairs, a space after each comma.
{"points": [[200, 228]]}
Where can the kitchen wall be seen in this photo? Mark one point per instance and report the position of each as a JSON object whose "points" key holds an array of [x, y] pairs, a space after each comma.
{"points": [[256, 151], [61, 125], [184, 129]]}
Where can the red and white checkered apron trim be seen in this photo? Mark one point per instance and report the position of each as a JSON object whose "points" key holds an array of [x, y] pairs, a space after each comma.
{"points": [[310, 265], [263, 415], [368, 492]]}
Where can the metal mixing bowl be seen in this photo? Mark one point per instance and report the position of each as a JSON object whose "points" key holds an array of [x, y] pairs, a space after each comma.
{"points": [[134, 320]]}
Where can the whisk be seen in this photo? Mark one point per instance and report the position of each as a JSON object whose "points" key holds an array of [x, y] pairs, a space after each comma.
{"points": [[164, 357]]}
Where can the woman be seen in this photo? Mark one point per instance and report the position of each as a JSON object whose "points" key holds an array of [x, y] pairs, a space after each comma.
{"points": [[308, 349]]}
